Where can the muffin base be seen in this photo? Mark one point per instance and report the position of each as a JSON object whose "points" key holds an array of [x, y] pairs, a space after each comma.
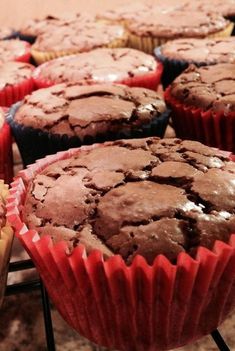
{"points": [[35, 143], [44, 56], [149, 80], [6, 238], [14, 93], [137, 307], [208, 127], [148, 43], [6, 157]]}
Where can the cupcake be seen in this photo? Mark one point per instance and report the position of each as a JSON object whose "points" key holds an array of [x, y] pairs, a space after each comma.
{"points": [[155, 28], [77, 37], [14, 50], [6, 237], [60, 117], [32, 28], [121, 65], [15, 82], [133, 239], [203, 104], [224, 7], [176, 55], [6, 159]]}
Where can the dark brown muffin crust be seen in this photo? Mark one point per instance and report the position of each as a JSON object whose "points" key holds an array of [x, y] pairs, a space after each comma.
{"points": [[14, 72], [209, 87], [177, 24], [145, 196], [201, 51], [98, 66], [11, 49], [89, 110]]}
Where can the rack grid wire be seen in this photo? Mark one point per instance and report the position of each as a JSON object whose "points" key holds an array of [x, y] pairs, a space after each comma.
{"points": [[37, 284]]}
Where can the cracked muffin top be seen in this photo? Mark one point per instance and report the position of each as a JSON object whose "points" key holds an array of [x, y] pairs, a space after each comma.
{"points": [[208, 87], [12, 49], [51, 23], [89, 110], [224, 7], [208, 51], [176, 24], [14, 72], [82, 37], [147, 196], [97, 66]]}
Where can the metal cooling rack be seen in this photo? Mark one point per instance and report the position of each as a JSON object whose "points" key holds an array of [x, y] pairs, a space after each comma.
{"points": [[37, 284]]}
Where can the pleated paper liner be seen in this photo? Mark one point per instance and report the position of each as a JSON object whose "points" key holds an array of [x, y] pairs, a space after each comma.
{"points": [[149, 43], [13, 93], [44, 56], [149, 80], [6, 157], [6, 238], [137, 307], [211, 128], [35, 143], [172, 67]]}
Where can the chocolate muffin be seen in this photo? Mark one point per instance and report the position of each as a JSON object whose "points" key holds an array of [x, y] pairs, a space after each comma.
{"points": [[15, 82], [176, 55], [121, 65], [84, 114], [14, 50], [32, 28], [78, 37], [203, 103], [136, 197], [157, 27]]}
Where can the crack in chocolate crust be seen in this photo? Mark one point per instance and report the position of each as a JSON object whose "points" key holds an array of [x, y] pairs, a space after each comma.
{"points": [[81, 111], [98, 66], [123, 198], [201, 51], [14, 72], [209, 87]]}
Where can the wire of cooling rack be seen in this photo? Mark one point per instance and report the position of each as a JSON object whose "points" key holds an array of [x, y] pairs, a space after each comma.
{"points": [[37, 284]]}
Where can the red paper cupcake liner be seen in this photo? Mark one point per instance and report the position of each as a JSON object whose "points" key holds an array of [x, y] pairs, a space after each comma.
{"points": [[208, 127], [13, 93], [137, 307], [6, 158], [149, 80]]}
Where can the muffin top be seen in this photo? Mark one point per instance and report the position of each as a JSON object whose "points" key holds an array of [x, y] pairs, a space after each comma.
{"points": [[14, 72], [176, 24], [10, 50], [81, 37], [97, 66], [140, 196], [209, 51], [50, 23], [224, 7], [133, 10], [89, 110], [208, 87], [3, 194]]}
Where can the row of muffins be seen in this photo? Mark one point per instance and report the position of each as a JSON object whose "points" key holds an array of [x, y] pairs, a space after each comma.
{"points": [[112, 198]]}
